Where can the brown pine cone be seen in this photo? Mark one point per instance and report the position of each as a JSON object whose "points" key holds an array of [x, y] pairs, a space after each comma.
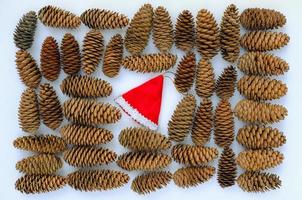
{"points": [[227, 168], [27, 68], [138, 32], [205, 79], [259, 112], [39, 164], [185, 31], [86, 156], [56, 17], [71, 57], [181, 121], [257, 137], [85, 87], [143, 161], [192, 176], [225, 85], [89, 112], [185, 73], [135, 138], [113, 56], [85, 135], [28, 112], [263, 40], [150, 182]]}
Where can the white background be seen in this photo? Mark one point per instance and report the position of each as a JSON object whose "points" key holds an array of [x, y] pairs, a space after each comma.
{"points": [[11, 89]]}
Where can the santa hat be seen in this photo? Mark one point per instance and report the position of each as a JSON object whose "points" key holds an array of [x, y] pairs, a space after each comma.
{"points": [[143, 103]]}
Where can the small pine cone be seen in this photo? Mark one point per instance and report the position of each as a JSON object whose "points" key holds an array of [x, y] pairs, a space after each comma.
{"points": [[40, 143], [259, 112], [40, 164], [260, 88], [185, 73], [150, 62], [25, 30], [258, 181], [27, 68], [28, 112], [85, 87], [162, 30], [227, 168], [89, 112], [225, 85], [138, 32], [192, 176], [150, 182], [71, 57], [257, 63], [56, 17], [143, 161], [205, 79], [182, 119], [261, 19], [86, 156], [85, 135], [263, 40], [113, 56], [257, 137], [185, 31], [143, 139]]}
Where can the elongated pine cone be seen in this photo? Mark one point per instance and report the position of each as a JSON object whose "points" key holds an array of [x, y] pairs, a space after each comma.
{"points": [[225, 85], [263, 40], [27, 68], [136, 138], [28, 112], [259, 112], [257, 137], [71, 57], [40, 164], [85, 87], [205, 79], [227, 168], [150, 62], [181, 121], [89, 112], [25, 30], [192, 176], [185, 31], [143, 161], [257, 63], [56, 17], [85, 135], [150, 182], [138, 32]]}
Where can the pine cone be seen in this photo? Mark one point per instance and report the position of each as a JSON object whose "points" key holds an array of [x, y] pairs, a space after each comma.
{"points": [[56, 17], [254, 160], [261, 19], [71, 57], [258, 182], [85, 156], [40, 143], [150, 62], [40, 164], [257, 112], [89, 112], [143, 139], [257, 63], [143, 161], [113, 56], [181, 121], [260, 88], [25, 30], [185, 31], [150, 182], [85, 135], [50, 107], [27, 68], [138, 32], [85, 87], [162, 30], [92, 52], [185, 73], [257, 137], [227, 168], [263, 40], [225, 85], [205, 79], [192, 176], [28, 112], [230, 34]]}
